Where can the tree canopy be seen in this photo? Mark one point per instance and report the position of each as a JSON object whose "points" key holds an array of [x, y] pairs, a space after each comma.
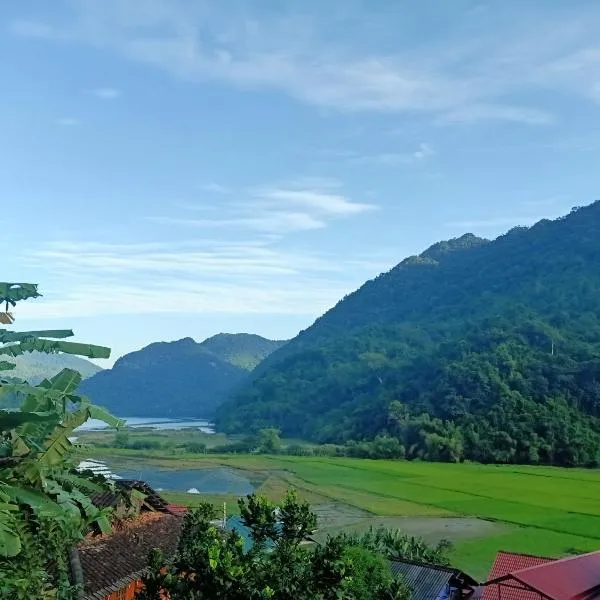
{"points": [[477, 350]]}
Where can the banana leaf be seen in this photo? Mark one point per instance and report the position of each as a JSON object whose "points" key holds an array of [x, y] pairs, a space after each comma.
{"points": [[7, 336], [12, 293], [10, 543], [53, 346], [10, 419]]}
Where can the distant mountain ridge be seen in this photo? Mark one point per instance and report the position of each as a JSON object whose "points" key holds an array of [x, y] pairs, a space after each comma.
{"points": [[36, 366], [477, 349], [183, 378]]}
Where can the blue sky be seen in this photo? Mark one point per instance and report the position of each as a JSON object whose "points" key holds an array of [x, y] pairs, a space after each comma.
{"points": [[181, 167]]}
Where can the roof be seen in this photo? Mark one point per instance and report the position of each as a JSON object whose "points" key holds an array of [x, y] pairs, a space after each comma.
{"points": [[427, 581], [111, 562], [571, 578], [110, 499], [509, 562]]}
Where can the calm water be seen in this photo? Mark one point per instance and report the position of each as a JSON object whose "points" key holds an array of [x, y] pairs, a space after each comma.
{"points": [[152, 423], [218, 480]]}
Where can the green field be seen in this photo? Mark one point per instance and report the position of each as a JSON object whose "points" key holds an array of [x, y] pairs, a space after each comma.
{"points": [[481, 509]]}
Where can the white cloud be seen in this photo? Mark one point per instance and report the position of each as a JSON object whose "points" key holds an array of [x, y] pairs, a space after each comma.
{"points": [[68, 121], [216, 188], [490, 112], [301, 205], [457, 81], [189, 277], [314, 200], [278, 222], [106, 93], [422, 153]]}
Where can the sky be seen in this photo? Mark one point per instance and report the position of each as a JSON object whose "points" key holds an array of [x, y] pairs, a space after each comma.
{"points": [[173, 168]]}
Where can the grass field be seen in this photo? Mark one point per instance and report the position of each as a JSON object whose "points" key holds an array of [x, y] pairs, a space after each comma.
{"points": [[538, 510]]}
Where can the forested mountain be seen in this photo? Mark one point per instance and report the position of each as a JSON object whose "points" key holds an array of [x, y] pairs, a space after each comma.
{"points": [[244, 350], [177, 379], [486, 350], [36, 366]]}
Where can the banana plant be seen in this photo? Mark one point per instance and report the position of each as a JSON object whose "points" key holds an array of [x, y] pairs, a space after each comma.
{"points": [[39, 486]]}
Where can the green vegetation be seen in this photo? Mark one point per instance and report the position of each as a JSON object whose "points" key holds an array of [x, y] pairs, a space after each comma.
{"points": [[213, 565], [177, 379], [44, 503], [243, 350], [486, 351], [540, 510]]}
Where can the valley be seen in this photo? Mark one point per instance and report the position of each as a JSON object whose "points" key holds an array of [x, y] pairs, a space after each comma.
{"points": [[479, 508]]}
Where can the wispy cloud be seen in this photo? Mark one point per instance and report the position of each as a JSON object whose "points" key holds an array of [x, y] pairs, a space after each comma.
{"points": [[457, 81], [418, 156], [301, 205], [190, 277], [68, 121], [215, 188], [106, 93], [490, 112]]}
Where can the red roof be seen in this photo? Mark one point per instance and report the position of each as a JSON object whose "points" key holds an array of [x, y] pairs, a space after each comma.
{"points": [[176, 509], [572, 578], [509, 562]]}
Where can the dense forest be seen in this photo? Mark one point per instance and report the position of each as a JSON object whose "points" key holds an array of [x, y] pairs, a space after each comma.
{"points": [[178, 379], [476, 349]]}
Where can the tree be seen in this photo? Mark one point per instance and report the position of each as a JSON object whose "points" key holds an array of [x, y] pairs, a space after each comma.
{"points": [[44, 506], [269, 441], [211, 564]]}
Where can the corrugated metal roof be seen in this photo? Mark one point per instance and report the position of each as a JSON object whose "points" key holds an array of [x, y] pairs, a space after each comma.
{"points": [[573, 578], [509, 562], [426, 581]]}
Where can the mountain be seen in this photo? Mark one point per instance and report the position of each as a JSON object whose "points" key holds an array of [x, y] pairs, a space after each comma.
{"points": [[36, 366], [475, 349], [243, 350], [177, 379]]}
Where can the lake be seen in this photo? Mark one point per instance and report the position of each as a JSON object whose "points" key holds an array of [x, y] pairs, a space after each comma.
{"points": [[217, 480], [152, 423]]}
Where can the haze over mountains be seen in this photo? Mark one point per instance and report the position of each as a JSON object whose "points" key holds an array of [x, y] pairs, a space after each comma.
{"points": [[479, 349], [178, 379], [36, 366]]}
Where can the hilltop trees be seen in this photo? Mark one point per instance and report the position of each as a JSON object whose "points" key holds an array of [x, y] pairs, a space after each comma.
{"points": [[489, 350], [211, 564]]}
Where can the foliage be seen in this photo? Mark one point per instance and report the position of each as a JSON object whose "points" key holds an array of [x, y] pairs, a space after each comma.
{"points": [[395, 544], [44, 507], [243, 350], [212, 564], [181, 378], [486, 351]]}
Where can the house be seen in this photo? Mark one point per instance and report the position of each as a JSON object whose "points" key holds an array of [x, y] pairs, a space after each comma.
{"points": [[434, 582], [525, 577], [110, 567]]}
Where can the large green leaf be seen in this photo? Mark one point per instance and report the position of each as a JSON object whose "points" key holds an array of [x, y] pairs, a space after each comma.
{"points": [[10, 543], [10, 419], [53, 346], [97, 412], [40, 503]]}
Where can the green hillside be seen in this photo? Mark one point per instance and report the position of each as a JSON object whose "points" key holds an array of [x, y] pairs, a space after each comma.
{"points": [[243, 350], [177, 379], [486, 350]]}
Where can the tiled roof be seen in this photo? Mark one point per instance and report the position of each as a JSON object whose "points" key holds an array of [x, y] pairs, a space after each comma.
{"points": [[111, 562], [571, 578], [509, 562], [109, 499], [427, 581]]}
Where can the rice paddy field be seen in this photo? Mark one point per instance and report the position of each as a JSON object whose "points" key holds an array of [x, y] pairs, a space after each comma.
{"points": [[481, 509]]}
